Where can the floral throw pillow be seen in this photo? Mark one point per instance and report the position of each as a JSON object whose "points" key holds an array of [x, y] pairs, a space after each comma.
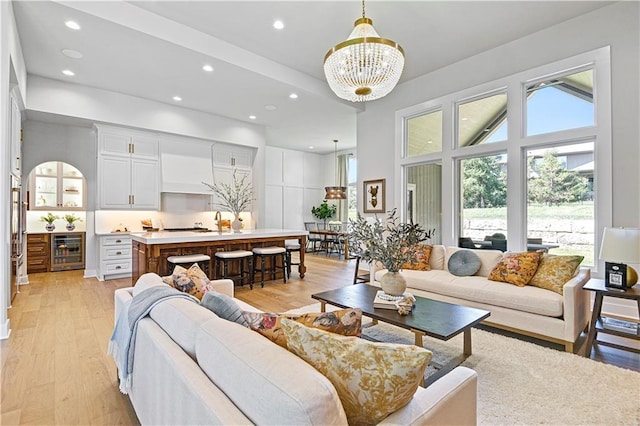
{"points": [[373, 380], [347, 322], [193, 280], [554, 271], [516, 268], [423, 254]]}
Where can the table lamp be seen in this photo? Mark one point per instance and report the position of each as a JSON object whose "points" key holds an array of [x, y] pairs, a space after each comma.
{"points": [[620, 245]]}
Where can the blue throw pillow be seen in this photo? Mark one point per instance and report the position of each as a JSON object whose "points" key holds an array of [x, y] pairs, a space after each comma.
{"points": [[464, 263], [224, 307]]}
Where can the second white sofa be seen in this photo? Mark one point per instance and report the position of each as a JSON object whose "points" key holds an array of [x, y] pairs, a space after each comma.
{"points": [[532, 311]]}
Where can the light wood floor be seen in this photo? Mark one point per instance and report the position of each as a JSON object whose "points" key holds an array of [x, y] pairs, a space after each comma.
{"points": [[54, 365]]}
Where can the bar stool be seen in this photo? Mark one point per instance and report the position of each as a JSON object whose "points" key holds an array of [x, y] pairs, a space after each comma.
{"points": [[273, 253], [201, 259], [291, 248], [224, 257]]}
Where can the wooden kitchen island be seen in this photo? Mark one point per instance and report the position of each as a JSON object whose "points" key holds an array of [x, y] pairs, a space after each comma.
{"points": [[151, 249]]}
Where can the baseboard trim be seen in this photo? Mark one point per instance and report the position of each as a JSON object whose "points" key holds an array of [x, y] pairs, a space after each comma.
{"points": [[90, 273]]}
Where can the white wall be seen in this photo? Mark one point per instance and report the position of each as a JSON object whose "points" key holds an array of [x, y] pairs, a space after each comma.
{"points": [[11, 67], [616, 25]]}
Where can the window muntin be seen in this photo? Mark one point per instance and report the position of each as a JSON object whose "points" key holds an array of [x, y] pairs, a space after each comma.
{"points": [[560, 207], [352, 187], [424, 197], [424, 134], [483, 196], [560, 103], [482, 120]]}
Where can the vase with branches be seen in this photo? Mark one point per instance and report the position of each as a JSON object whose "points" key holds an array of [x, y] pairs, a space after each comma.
{"points": [[234, 197], [390, 242]]}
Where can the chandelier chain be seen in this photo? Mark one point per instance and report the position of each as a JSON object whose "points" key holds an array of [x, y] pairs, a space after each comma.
{"points": [[363, 9]]}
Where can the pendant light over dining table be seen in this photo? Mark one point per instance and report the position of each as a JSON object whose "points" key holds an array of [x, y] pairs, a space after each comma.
{"points": [[335, 192], [364, 67]]}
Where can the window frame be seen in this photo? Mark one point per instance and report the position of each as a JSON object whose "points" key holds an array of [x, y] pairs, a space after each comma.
{"points": [[516, 145]]}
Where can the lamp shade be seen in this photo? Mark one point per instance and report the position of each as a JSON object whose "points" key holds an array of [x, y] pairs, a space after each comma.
{"points": [[620, 245]]}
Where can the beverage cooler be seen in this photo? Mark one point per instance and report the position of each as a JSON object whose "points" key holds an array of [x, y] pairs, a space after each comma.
{"points": [[67, 251]]}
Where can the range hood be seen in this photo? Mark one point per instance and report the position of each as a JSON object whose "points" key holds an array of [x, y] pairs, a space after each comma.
{"points": [[185, 165]]}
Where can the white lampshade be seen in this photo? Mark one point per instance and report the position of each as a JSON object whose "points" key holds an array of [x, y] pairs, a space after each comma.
{"points": [[621, 245]]}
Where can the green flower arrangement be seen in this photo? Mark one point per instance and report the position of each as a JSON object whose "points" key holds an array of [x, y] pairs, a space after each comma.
{"points": [[71, 218], [324, 211], [49, 218]]}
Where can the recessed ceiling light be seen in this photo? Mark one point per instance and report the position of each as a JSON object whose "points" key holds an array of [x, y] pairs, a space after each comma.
{"points": [[278, 25], [73, 25], [207, 68], [312, 147], [68, 72], [293, 96], [74, 54], [270, 107], [252, 117], [177, 98]]}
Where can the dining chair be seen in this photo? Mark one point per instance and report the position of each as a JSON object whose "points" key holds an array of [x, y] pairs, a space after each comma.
{"points": [[313, 238]]}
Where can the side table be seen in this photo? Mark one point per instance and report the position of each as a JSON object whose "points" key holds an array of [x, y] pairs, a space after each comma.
{"points": [[598, 323]]}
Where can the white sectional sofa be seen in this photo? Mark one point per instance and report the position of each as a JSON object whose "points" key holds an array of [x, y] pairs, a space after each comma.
{"points": [[192, 367], [532, 311]]}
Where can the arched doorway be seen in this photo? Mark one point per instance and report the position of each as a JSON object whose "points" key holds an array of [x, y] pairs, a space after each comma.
{"points": [[56, 216]]}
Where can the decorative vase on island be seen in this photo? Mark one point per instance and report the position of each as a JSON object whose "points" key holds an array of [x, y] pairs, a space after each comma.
{"points": [[50, 227], [236, 225], [393, 283], [71, 226]]}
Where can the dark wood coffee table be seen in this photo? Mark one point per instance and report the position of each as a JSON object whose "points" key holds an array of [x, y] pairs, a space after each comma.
{"points": [[432, 318]]}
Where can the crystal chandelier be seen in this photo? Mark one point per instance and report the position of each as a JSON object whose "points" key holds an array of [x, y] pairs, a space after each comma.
{"points": [[335, 192], [365, 66]]}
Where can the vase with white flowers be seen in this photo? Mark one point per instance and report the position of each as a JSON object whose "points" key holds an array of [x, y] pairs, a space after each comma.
{"points": [[234, 197]]}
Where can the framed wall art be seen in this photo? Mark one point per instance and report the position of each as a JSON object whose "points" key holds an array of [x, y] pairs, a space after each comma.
{"points": [[374, 195]]}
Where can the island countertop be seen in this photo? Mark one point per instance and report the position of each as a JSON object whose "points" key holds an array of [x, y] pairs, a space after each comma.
{"points": [[165, 237]]}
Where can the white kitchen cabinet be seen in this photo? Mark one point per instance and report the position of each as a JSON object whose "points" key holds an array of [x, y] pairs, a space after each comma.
{"points": [[293, 168], [128, 170], [55, 185], [235, 156], [273, 207], [115, 257]]}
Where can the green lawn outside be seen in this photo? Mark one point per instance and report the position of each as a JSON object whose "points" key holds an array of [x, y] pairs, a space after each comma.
{"points": [[569, 211]]}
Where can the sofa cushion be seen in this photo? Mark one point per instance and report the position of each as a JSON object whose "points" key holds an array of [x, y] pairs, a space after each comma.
{"points": [[181, 319], [347, 322], [436, 261], [555, 271], [423, 254], [479, 289], [488, 258], [516, 268], [464, 263], [223, 306], [145, 281], [193, 280], [268, 384], [372, 379]]}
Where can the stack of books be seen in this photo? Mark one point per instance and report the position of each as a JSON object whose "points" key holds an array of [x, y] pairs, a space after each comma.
{"points": [[385, 301], [620, 325]]}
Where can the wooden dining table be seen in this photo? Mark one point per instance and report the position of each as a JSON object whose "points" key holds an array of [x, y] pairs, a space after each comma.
{"points": [[338, 234]]}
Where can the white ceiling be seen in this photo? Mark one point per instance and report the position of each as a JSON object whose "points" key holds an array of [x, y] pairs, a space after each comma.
{"points": [[156, 49]]}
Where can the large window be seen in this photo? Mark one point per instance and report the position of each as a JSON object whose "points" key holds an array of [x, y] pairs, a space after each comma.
{"points": [[560, 210], [352, 188], [526, 158]]}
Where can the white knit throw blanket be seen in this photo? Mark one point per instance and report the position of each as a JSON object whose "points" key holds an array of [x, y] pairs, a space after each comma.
{"points": [[123, 339]]}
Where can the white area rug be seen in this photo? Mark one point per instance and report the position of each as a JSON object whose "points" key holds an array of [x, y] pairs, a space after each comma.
{"points": [[523, 383]]}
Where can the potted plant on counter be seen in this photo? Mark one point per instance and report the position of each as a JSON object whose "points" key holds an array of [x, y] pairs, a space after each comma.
{"points": [[49, 218], [391, 243], [71, 219], [324, 211]]}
